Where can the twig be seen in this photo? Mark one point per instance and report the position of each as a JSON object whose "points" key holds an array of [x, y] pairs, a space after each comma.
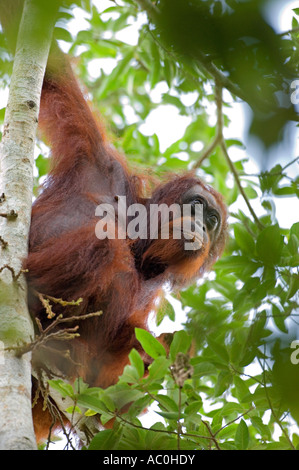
{"points": [[291, 162], [277, 420], [211, 434], [233, 420], [14, 275], [3, 243], [290, 31], [46, 304], [238, 182], [219, 128], [219, 140], [11, 215], [208, 151], [60, 335], [179, 417], [165, 431]]}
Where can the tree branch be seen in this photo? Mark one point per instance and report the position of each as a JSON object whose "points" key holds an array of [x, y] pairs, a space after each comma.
{"points": [[16, 183]]}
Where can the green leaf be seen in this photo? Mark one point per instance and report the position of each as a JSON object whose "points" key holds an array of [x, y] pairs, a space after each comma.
{"points": [[166, 310], [229, 409], [242, 436], [137, 362], [155, 66], [166, 402], [150, 344], [219, 349], [295, 230], [73, 409], [94, 403], [107, 439], [168, 414], [244, 239], [2, 115], [42, 164], [294, 286], [193, 408], [158, 369], [279, 319], [242, 388], [204, 368], [66, 390], [269, 245], [121, 394], [63, 34], [130, 375], [262, 429], [293, 244], [181, 343]]}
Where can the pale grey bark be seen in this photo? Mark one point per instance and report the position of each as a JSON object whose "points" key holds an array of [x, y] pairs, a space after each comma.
{"points": [[16, 183]]}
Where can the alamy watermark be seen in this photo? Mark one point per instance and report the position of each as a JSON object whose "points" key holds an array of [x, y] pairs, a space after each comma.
{"points": [[161, 221], [295, 354], [295, 93]]}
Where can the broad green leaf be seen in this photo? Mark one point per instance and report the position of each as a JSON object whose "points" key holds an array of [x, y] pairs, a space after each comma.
{"points": [[150, 344], [166, 403], [229, 409], [244, 240], [269, 245], [168, 414], [262, 429], [294, 286], [137, 362], [66, 390], [107, 439], [93, 403], [204, 368], [193, 408], [158, 369], [218, 348], [279, 319], [73, 409], [242, 389], [242, 436], [181, 343]]}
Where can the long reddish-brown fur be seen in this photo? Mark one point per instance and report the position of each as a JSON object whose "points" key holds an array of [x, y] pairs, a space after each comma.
{"points": [[67, 260]]}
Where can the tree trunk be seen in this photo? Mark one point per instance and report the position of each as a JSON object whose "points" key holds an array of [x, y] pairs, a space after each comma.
{"points": [[16, 183]]}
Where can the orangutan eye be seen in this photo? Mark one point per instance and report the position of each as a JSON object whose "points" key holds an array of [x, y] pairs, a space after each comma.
{"points": [[213, 221], [199, 200]]}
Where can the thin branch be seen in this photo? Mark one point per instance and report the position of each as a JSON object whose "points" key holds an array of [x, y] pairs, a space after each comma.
{"points": [[3, 243], [44, 298], [219, 140], [179, 426], [291, 162], [211, 434], [150, 8], [219, 129], [238, 182], [165, 431], [208, 151], [277, 420], [233, 420], [290, 31], [15, 275], [11, 215], [60, 335]]}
